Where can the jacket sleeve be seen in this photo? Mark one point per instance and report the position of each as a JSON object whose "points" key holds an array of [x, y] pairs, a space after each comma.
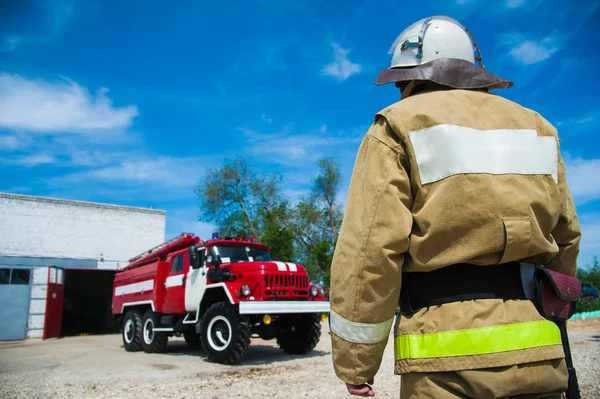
{"points": [[369, 254], [567, 232]]}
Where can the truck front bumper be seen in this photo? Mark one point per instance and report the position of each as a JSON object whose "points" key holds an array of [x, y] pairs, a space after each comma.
{"points": [[281, 307]]}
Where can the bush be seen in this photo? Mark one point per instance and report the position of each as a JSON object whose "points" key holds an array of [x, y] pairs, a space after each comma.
{"points": [[590, 273], [587, 306]]}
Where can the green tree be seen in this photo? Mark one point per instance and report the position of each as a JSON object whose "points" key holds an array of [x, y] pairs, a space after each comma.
{"points": [[305, 222], [238, 199], [315, 221], [325, 189], [281, 241], [322, 254], [590, 273]]}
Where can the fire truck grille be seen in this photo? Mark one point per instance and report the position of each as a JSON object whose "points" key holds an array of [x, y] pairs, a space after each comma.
{"points": [[286, 285]]}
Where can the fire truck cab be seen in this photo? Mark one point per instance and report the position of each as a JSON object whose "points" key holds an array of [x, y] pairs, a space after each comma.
{"points": [[219, 294]]}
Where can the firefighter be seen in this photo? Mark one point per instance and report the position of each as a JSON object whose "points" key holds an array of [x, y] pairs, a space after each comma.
{"points": [[455, 194]]}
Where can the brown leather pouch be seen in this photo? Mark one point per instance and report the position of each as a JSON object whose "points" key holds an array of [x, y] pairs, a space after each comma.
{"points": [[557, 294]]}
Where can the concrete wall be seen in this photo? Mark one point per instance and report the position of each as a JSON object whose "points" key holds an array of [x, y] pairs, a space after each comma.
{"points": [[37, 305], [45, 227], [38, 232]]}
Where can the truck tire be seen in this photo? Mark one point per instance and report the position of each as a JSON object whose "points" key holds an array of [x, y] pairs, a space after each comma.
{"points": [[153, 341], [225, 334], [305, 334], [131, 331], [192, 339]]}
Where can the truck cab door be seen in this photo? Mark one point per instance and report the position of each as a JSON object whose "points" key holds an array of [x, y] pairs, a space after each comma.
{"points": [[196, 283], [174, 285]]}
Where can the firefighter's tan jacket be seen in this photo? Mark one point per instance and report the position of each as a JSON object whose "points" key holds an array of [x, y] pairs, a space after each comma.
{"points": [[446, 177]]}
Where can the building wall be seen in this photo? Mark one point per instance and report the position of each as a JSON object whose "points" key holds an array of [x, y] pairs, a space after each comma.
{"points": [[38, 232], [37, 305], [44, 227]]}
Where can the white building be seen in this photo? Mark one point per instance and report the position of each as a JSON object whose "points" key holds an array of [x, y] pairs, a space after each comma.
{"points": [[72, 243]]}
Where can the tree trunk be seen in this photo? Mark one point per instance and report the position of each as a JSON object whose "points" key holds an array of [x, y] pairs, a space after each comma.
{"points": [[249, 220], [301, 236], [332, 220]]}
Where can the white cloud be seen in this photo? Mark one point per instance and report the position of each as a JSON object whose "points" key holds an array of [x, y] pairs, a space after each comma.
{"points": [[9, 143], [184, 219], [531, 52], [342, 68], [265, 118], [161, 172], [581, 123], [254, 136], [89, 158], [583, 177], [291, 149], [178, 226], [527, 51], [30, 161], [41, 106]]}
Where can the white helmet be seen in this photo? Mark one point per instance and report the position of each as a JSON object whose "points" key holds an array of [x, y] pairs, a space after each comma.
{"points": [[434, 38]]}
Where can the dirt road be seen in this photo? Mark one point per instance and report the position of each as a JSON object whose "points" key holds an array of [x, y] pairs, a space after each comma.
{"points": [[98, 367]]}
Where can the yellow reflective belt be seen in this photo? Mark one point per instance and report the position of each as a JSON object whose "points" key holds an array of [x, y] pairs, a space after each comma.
{"points": [[477, 341]]}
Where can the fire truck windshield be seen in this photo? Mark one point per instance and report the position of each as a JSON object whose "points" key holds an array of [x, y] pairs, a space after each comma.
{"points": [[236, 253]]}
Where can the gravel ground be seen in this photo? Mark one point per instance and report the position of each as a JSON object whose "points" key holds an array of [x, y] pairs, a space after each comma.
{"points": [[98, 367]]}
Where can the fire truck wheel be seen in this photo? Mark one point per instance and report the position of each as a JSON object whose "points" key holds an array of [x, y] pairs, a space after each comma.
{"points": [[192, 339], [225, 334], [153, 341], [132, 331], [304, 335]]}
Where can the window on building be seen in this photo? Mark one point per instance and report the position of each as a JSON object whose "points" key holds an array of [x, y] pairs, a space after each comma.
{"points": [[4, 276], [20, 276], [177, 264], [14, 276]]}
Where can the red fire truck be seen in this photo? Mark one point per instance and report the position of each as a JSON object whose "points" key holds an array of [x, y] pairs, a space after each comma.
{"points": [[217, 293]]}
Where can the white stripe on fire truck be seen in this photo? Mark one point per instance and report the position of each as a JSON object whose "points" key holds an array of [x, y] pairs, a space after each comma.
{"points": [[292, 267], [174, 281], [134, 288], [281, 266]]}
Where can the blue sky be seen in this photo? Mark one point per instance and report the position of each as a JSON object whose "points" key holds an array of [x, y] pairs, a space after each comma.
{"points": [[131, 102]]}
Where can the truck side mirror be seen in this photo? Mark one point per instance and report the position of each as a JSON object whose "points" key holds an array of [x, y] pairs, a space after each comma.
{"points": [[213, 260], [194, 257]]}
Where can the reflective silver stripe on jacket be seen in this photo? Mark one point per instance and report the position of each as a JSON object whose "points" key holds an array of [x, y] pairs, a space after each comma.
{"points": [[446, 150], [359, 333]]}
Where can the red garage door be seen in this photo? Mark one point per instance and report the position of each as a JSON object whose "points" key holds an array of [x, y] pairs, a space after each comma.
{"points": [[54, 302]]}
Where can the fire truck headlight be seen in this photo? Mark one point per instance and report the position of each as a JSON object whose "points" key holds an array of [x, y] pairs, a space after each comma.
{"points": [[245, 290], [314, 291]]}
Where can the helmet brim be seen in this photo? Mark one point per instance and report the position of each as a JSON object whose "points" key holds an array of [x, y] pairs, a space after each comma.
{"points": [[451, 72]]}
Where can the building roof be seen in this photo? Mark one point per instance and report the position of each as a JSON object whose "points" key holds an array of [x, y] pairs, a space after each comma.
{"points": [[33, 198]]}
